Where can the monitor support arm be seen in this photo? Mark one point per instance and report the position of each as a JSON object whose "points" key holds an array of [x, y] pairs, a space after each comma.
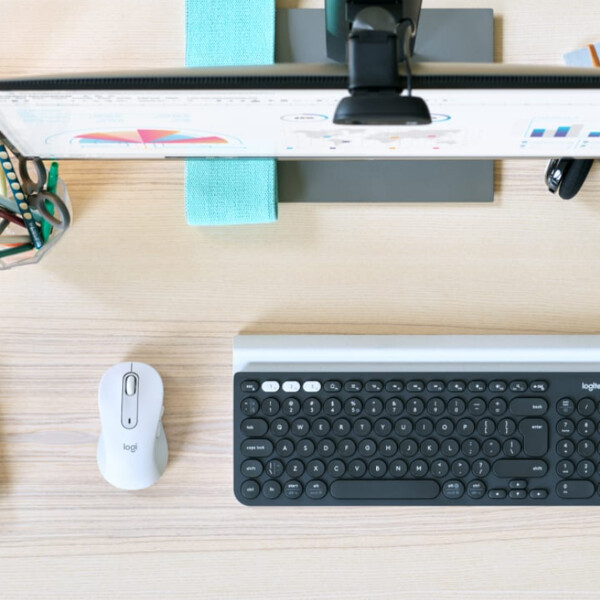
{"points": [[382, 37]]}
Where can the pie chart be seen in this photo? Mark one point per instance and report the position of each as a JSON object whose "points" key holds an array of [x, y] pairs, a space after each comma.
{"points": [[147, 136]]}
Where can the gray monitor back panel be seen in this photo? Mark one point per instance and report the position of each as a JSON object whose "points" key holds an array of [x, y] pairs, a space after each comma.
{"points": [[445, 35]]}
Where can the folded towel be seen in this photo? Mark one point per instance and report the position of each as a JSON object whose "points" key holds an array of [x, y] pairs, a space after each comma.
{"points": [[225, 191]]}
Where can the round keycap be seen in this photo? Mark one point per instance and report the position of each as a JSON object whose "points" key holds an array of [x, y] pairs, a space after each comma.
{"points": [[311, 407], [305, 448], [460, 468], [444, 427], [565, 448], [456, 407], [465, 427], [585, 468], [274, 468], [393, 407], [415, 406], [470, 447], [284, 448], [388, 447], [250, 489], [279, 427], [511, 447], [565, 407], [362, 427], [419, 468], [429, 448], [435, 406], [270, 406], [586, 427], [480, 468], [450, 447], [316, 490], [477, 407], [367, 447], [377, 468], [453, 490], [382, 427], [341, 427], [321, 427], [398, 468], [403, 427], [506, 427], [424, 427], [336, 468], [252, 468], [271, 489], [565, 468], [295, 468], [497, 407], [326, 448], [374, 407], [249, 408], [290, 407], [408, 448], [477, 386], [332, 407], [491, 447], [346, 448], [300, 427], [357, 468], [476, 489], [439, 468], [353, 407], [586, 448], [586, 407], [315, 468], [565, 427], [486, 427], [292, 489]]}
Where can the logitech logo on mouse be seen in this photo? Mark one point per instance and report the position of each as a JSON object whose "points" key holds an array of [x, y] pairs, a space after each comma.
{"points": [[130, 447], [590, 387]]}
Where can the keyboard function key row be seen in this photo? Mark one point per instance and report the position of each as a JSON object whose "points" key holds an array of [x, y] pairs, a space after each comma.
{"points": [[414, 386]]}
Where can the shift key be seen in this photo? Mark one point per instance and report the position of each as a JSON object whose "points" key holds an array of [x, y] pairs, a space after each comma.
{"points": [[535, 436], [520, 468]]}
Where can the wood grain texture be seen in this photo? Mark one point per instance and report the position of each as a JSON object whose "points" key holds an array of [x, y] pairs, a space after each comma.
{"points": [[131, 280]]}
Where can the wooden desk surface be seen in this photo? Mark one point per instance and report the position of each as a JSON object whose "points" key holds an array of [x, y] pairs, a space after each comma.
{"points": [[131, 280]]}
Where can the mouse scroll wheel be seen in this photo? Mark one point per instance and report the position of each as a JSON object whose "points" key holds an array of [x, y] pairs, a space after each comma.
{"points": [[130, 385]]}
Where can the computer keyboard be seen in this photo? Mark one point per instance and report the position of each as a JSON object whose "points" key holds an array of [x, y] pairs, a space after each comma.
{"points": [[436, 426]]}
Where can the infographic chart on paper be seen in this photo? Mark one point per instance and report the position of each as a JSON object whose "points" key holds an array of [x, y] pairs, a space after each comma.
{"points": [[297, 124]]}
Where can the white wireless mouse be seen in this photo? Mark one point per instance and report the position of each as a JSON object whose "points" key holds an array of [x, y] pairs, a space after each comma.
{"points": [[132, 449]]}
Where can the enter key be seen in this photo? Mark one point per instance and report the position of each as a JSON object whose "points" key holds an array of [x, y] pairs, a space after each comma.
{"points": [[535, 436]]}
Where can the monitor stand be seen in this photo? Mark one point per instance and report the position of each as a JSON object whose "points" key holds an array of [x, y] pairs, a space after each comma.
{"points": [[445, 35]]}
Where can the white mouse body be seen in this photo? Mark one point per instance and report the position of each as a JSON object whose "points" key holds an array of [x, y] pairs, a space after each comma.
{"points": [[132, 449]]}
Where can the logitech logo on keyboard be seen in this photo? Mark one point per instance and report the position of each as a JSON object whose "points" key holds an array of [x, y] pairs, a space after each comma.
{"points": [[590, 387], [130, 447]]}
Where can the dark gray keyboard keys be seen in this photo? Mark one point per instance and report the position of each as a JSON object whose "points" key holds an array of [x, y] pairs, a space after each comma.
{"points": [[422, 438], [378, 489], [535, 436], [520, 468]]}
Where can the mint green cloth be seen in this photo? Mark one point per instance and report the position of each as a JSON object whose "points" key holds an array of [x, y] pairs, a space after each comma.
{"points": [[225, 191]]}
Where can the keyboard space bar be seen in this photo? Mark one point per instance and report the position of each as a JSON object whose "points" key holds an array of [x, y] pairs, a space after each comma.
{"points": [[376, 489]]}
